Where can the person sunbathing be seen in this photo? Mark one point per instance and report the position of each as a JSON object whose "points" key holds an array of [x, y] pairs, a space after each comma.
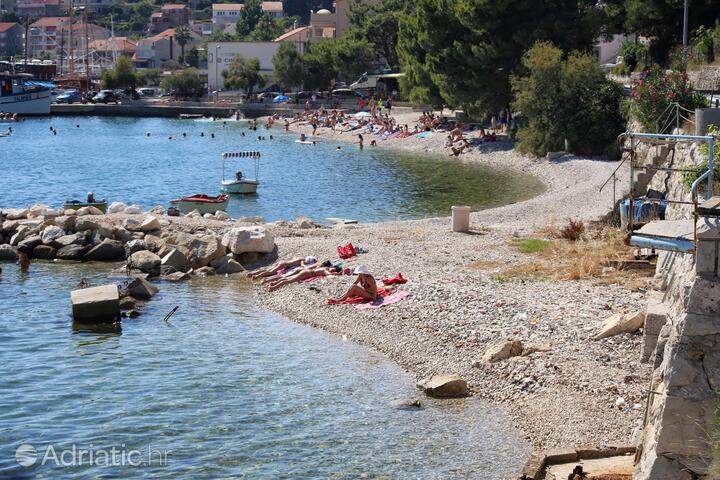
{"points": [[457, 133], [364, 286], [304, 274], [281, 267]]}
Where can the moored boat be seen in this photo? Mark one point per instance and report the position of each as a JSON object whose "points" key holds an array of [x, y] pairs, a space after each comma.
{"points": [[18, 94], [200, 202], [76, 205], [240, 184]]}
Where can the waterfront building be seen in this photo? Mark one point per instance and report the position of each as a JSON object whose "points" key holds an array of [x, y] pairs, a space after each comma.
{"points": [[221, 53], [11, 39], [153, 51]]}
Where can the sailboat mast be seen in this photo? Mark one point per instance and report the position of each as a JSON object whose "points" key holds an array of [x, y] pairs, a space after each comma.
{"points": [[114, 46], [71, 59], [87, 47]]}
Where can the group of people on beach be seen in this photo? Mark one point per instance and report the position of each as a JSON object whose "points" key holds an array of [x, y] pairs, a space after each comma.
{"points": [[300, 269]]}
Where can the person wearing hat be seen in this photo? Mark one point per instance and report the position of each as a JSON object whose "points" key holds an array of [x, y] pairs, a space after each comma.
{"points": [[90, 197], [364, 286], [277, 267]]}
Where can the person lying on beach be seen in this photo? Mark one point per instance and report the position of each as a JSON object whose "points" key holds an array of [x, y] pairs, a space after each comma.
{"points": [[282, 266], [304, 274], [457, 133], [364, 286]]}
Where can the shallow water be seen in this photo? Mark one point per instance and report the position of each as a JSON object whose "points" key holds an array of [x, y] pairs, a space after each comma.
{"points": [[113, 158], [228, 389]]}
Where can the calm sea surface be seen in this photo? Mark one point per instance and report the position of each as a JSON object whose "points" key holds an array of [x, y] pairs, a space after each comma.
{"points": [[223, 389], [113, 158]]}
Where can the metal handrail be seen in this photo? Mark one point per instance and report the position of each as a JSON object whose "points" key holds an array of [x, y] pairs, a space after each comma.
{"points": [[694, 196], [613, 174]]}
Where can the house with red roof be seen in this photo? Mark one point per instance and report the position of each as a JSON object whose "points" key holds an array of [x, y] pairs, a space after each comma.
{"points": [[11, 36]]}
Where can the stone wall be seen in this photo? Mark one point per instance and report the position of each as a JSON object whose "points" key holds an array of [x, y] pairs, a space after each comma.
{"points": [[682, 339]]}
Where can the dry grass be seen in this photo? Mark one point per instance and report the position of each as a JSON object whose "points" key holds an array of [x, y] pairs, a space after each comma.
{"points": [[485, 265], [586, 258]]}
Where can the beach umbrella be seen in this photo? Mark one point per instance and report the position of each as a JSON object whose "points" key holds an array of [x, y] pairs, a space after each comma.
{"points": [[362, 114], [280, 99]]}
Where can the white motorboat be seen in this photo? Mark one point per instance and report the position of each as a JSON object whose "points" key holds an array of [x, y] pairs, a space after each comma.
{"points": [[19, 94], [240, 184]]}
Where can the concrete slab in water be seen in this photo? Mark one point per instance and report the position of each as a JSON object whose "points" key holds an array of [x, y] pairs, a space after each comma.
{"points": [[96, 305]]}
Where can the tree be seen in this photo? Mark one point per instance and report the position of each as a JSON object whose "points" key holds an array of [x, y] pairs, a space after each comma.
{"points": [[377, 23], [183, 37], [288, 65], [351, 57], [566, 99], [184, 82], [121, 75], [266, 30], [464, 51], [193, 57], [243, 73], [250, 15], [318, 67]]}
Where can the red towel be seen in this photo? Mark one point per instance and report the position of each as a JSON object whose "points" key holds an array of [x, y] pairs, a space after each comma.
{"points": [[381, 292], [348, 251], [397, 279]]}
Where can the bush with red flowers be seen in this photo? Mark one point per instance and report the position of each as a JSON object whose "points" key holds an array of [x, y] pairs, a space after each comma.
{"points": [[653, 95]]}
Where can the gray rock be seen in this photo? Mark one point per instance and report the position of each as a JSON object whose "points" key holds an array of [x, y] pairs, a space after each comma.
{"points": [[21, 231], [141, 289], [227, 266], [51, 233], [204, 271], [248, 239], [167, 270], [621, 323], [65, 240], [31, 242], [7, 252], [134, 246], [121, 234], [106, 250], [82, 224], [145, 261], [66, 222], [176, 277], [71, 252], [173, 212], [176, 259], [44, 252], [132, 224], [150, 224], [153, 242], [407, 404], [157, 210]]}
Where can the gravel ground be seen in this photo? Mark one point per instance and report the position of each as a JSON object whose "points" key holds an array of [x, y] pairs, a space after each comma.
{"points": [[564, 397]]}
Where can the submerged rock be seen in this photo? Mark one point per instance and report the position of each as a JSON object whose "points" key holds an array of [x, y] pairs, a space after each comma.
{"points": [[141, 289], [407, 404], [44, 252]]}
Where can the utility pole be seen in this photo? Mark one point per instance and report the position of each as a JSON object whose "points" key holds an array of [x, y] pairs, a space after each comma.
{"points": [[685, 24]]}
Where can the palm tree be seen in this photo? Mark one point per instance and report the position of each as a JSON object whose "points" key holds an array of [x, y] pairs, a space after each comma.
{"points": [[183, 37]]}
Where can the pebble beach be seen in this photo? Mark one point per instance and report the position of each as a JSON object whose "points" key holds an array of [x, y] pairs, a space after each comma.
{"points": [[566, 389]]}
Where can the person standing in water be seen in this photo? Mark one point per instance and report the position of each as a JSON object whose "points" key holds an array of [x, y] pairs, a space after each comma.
{"points": [[23, 260]]}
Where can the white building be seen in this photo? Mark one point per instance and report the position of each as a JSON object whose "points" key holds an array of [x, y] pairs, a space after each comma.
{"points": [[221, 53], [224, 14]]}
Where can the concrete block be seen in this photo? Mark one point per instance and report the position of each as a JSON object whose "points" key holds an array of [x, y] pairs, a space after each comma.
{"points": [[706, 257], [96, 305], [656, 313], [648, 347], [560, 455]]}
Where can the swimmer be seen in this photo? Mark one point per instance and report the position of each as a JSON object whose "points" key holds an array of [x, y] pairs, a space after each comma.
{"points": [[184, 134], [169, 138], [78, 126], [338, 147], [147, 134], [202, 134], [271, 137], [212, 135], [242, 133]]}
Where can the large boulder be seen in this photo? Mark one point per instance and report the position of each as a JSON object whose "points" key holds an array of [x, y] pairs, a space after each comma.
{"points": [[82, 224], [29, 243], [134, 246], [145, 261], [226, 265], [154, 243], [176, 259], [132, 224], [65, 240], [133, 210], [7, 252], [116, 207], [66, 222], [503, 351], [141, 289], [249, 239], [150, 224], [200, 251], [21, 231], [621, 323], [121, 234], [16, 214], [444, 386], [51, 233], [71, 252], [8, 226], [106, 250], [44, 252], [157, 210]]}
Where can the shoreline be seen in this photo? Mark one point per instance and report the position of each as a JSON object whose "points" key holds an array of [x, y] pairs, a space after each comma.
{"points": [[458, 306]]}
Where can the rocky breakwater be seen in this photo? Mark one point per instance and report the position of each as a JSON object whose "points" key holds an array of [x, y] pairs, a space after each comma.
{"points": [[153, 243]]}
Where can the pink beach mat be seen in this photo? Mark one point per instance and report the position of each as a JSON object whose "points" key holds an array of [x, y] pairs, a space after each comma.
{"points": [[394, 297]]}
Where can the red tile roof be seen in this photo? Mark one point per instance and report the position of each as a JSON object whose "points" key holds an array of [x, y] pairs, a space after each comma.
{"points": [[51, 22], [289, 34], [122, 44], [5, 26], [173, 6]]}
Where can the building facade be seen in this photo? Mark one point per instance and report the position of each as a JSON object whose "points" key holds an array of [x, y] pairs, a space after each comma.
{"points": [[224, 14], [11, 39], [221, 53], [170, 15]]}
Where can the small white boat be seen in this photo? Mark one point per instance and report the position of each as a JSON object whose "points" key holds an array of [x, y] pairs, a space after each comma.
{"points": [[201, 202], [240, 184]]}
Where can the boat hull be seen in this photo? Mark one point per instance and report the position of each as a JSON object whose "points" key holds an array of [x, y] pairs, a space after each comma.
{"points": [[187, 206], [34, 103], [102, 206], [242, 186]]}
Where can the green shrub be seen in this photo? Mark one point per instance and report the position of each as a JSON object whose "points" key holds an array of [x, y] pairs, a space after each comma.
{"points": [[634, 54], [566, 99], [532, 245], [654, 94], [690, 176]]}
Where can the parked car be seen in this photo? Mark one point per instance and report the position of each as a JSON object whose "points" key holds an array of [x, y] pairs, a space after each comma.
{"points": [[69, 96], [148, 92], [106, 96]]}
